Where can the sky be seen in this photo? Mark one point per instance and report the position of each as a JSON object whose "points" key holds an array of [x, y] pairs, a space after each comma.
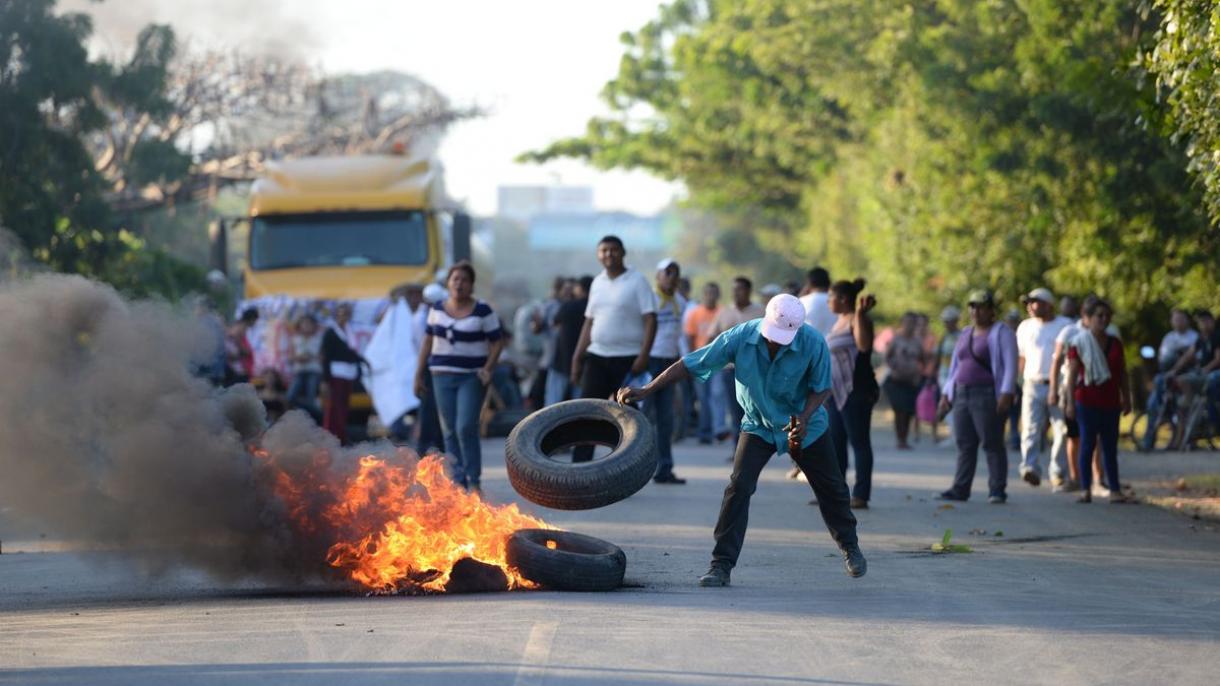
{"points": [[537, 66]]}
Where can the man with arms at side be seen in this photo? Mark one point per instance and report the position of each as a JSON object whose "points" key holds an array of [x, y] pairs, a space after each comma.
{"points": [[698, 328], [620, 325], [782, 370], [665, 351], [1035, 353], [742, 309]]}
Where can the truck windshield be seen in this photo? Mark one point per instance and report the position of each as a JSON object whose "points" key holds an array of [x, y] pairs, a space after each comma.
{"points": [[339, 239]]}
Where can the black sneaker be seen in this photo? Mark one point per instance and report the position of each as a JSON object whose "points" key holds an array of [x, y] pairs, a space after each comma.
{"points": [[854, 560], [1032, 478], [998, 499], [950, 495], [716, 576], [668, 479]]}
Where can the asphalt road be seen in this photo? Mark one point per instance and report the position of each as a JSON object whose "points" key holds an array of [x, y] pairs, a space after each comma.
{"points": [[1068, 594]]}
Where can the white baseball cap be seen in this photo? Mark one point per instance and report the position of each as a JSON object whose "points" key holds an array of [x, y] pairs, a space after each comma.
{"points": [[666, 264], [1043, 294], [785, 317]]}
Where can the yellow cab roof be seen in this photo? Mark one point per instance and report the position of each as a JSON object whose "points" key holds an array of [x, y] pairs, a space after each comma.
{"points": [[336, 184]]}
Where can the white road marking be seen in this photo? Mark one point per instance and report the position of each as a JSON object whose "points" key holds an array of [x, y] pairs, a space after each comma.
{"points": [[537, 654]]}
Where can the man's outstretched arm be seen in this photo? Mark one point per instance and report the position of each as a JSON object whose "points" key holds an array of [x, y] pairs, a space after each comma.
{"points": [[673, 374]]}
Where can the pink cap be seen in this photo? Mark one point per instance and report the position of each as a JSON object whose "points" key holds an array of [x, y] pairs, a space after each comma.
{"points": [[785, 317]]}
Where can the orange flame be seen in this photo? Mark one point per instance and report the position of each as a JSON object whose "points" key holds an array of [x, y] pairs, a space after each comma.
{"points": [[400, 526]]}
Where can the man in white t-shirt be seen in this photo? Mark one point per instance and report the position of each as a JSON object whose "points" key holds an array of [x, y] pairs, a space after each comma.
{"points": [[620, 326], [666, 350], [1179, 341], [817, 302], [1036, 351]]}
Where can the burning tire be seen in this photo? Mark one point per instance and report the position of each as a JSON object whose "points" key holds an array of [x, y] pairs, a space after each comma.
{"points": [[564, 561], [587, 485]]}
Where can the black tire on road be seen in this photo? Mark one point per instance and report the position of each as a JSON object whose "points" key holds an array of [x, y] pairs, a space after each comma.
{"points": [[576, 563], [587, 485]]}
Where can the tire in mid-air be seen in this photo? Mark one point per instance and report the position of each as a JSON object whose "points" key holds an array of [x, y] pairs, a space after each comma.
{"points": [[563, 485], [565, 561]]}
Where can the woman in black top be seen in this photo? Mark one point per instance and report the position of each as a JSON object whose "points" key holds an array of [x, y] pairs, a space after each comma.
{"points": [[340, 370]]}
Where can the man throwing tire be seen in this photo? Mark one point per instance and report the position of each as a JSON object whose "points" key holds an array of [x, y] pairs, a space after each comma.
{"points": [[782, 373]]}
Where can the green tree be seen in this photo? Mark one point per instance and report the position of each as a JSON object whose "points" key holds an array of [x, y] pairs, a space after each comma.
{"points": [[931, 146], [52, 96], [1186, 62]]}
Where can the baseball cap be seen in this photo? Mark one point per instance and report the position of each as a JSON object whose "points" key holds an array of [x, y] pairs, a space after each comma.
{"points": [[950, 314], [784, 318], [666, 264], [981, 296], [1043, 294]]}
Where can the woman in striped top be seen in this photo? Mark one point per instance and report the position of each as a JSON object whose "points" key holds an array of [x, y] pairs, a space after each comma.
{"points": [[853, 386], [460, 350]]}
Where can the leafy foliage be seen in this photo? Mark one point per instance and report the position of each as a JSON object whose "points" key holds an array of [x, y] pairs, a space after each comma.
{"points": [[1186, 62], [51, 196], [932, 147]]}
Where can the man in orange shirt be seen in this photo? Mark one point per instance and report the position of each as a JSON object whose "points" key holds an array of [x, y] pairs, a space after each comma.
{"points": [[698, 327], [741, 310]]}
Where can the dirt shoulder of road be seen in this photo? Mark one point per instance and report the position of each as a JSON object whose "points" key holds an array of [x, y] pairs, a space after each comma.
{"points": [[1196, 496]]}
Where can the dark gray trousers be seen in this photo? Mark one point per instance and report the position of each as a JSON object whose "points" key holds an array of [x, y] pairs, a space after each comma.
{"points": [[975, 422], [821, 468]]}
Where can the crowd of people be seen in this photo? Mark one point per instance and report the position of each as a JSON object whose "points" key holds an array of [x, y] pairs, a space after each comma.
{"points": [[1025, 377], [698, 368]]}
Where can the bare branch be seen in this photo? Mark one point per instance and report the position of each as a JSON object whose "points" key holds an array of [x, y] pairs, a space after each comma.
{"points": [[231, 112]]}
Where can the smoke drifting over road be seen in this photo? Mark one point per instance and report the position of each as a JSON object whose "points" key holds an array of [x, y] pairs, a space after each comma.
{"points": [[105, 437], [267, 27]]}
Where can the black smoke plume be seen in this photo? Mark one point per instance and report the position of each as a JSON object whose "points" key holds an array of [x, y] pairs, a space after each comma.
{"points": [[106, 438]]}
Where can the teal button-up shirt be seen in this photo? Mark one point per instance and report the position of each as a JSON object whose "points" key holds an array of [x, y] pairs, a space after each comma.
{"points": [[769, 390]]}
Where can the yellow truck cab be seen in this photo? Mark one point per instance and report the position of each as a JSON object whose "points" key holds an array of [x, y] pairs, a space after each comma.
{"points": [[346, 228], [329, 229]]}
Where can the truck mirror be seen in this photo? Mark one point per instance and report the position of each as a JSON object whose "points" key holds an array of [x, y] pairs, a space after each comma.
{"points": [[218, 246], [461, 236]]}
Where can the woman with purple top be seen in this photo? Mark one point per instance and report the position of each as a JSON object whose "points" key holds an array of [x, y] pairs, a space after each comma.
{"points": [[982, 381]]}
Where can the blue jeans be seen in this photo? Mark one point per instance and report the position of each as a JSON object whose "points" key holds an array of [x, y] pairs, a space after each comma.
{"points": [[506, 385], [430, 435], [660, 409], [303, 393], [853, 424], [459, 397], [1098, 424], [729, 383], [712, 410], [1212, 388], [1155, 400], [688, 407], [558, 387], [1014, 421]]}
